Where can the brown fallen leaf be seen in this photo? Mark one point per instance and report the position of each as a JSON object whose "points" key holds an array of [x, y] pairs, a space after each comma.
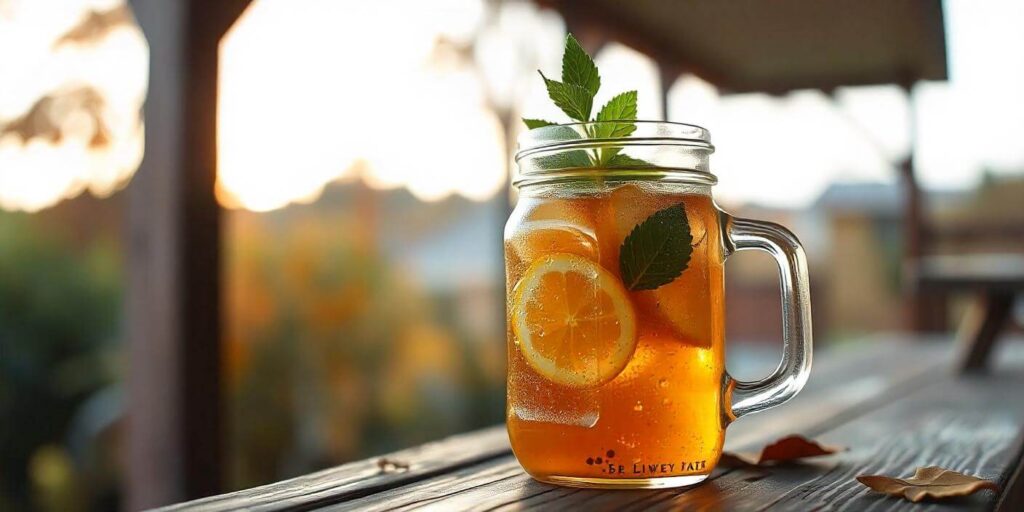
{"points": [[786, 449], [928, 482]]}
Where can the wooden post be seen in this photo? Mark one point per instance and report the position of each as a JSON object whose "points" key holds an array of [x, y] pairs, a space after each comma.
{"points": [[174, 427], [927, 311], [667, 75]]}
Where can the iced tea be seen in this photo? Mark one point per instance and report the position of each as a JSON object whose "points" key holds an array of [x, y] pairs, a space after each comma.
{"points": [[608, 386]]}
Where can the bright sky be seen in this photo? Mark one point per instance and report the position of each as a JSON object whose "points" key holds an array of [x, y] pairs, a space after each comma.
{"points": [[854, 137], [33, 64], [973, 121], [310, 88], [314, 91]]}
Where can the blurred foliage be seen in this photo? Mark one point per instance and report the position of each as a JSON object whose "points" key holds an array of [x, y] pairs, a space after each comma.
{"points": [[60, 302], [333, 354]]}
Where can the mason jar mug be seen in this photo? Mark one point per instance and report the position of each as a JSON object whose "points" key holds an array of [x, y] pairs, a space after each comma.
{"points": [[615, 258]]}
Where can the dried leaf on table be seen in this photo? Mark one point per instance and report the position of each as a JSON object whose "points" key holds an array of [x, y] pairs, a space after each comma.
{"points": [[928, 482], [789, 448]]}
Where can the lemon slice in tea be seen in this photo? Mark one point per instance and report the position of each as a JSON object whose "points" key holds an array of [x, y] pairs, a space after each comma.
{"points": [[573, 321], [540, 237]]}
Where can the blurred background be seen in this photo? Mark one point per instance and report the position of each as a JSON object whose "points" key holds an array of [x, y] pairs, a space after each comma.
{"points": [[291, 257]]}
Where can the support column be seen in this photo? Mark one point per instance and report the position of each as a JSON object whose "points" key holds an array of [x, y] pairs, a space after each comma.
{"points": [[174, 447], [667, 75], [927, 313]]}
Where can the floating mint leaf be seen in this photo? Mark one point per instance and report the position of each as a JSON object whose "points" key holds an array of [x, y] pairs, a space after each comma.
{"points": [[537, 123], [574, 100], [657, 251], [578, 68]]}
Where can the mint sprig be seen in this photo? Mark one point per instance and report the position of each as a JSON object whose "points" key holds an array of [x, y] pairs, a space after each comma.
{"points": [[578, 68], [575, 94], [575, 100], [618, 108], [657, 251]]}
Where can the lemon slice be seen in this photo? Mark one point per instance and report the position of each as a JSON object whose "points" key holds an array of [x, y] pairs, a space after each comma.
{"points": [[540, 237], [573, 321]]}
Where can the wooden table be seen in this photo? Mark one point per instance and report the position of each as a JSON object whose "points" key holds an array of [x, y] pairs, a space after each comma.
{"points": [[993, 280], [895, 403]]}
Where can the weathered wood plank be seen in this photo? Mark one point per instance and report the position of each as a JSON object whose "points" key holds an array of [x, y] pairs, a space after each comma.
{"points": [[857, 398], [843, 381], [364, 477], [952, 425], [972, 424], [935, 431], [493, 477]]}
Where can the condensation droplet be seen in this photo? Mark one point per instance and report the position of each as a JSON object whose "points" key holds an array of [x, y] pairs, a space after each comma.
{"points": [[638, 407], [663, 383], [665, 401]]}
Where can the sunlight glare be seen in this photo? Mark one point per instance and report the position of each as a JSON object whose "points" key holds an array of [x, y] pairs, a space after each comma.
{"points": [[310, 88], [69, 112]]}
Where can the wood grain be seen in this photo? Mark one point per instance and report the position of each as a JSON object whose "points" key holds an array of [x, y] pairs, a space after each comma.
{"points": [[934, 418], [896, 405], [363, 477], [842, 381]]}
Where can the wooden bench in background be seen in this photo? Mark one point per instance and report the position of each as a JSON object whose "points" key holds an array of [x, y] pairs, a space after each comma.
{"points": [[896, 403], [993, 281]]}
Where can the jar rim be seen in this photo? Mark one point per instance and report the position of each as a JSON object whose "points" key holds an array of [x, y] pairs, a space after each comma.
{"points": [[547, 137], [663, 150]]}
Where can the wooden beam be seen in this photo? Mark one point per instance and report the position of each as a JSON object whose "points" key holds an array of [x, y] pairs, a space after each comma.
{"points": [[174, 435], [620, 21], [595, 18]]}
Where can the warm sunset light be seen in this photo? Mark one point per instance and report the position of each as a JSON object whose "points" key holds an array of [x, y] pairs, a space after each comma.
{"points": [[309, 88], [73, 78]]}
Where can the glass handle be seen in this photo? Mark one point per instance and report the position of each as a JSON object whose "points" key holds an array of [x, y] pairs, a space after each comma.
{"points": [[789, 378]]}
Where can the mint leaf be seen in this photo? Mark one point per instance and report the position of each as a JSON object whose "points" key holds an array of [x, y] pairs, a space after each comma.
{"points": [[657, 251], [623, 160], [574, 159], [575, 96], [620, 108], [578, 68], [574, 100], [537, 123]]}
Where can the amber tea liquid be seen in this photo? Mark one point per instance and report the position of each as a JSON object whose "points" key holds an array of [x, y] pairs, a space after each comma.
{"points": [[657, 421]]}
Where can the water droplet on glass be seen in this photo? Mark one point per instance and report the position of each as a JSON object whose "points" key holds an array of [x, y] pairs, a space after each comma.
{"points": [[638, 407], [663, 383], [665, 401]]}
